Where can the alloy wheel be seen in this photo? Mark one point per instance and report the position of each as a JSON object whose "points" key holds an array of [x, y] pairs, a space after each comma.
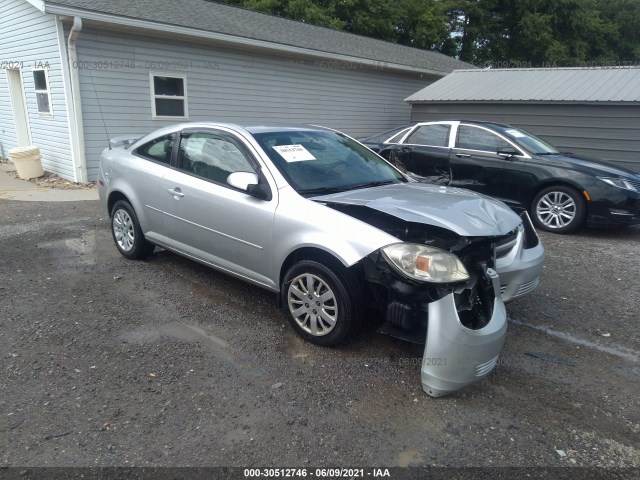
{"points": [[556, 210], [312, 304], [123, 230]]}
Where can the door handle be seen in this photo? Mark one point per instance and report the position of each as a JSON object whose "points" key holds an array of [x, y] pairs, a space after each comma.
{"points": [[176, 192], [462, 155]]}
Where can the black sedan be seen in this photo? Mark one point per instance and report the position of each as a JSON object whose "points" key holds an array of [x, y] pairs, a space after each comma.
{"points": [[560, 190]]}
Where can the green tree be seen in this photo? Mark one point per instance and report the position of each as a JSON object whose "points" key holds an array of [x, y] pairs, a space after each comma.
{"points": [[625, 15], [562, 32], [315, 12], [371, 18], [534, 32], [496, 33], [417, 23], [421, 24]]}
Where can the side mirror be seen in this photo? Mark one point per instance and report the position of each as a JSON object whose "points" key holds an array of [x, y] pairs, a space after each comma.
{"points": [[250, 182], [243, 180], [507, 152]]}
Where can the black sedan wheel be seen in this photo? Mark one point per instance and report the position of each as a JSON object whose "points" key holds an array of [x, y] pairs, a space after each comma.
{"points": [[127, 233], [558, 209], [324, 303]]}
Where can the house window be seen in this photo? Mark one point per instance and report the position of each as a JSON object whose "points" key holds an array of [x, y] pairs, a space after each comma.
{"points": [[43, 97], [168, 95]]}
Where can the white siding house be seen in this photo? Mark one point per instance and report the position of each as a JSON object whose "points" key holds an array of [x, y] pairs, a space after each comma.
{"points": [[131, 67], [30, 48]]}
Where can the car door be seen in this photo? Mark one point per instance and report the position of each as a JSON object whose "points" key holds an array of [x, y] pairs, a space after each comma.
{"points": [[211, 220], [425, 152], [476, 164]]}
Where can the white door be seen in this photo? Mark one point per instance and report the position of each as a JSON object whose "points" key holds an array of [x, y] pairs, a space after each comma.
{"points": [[19, 107]]}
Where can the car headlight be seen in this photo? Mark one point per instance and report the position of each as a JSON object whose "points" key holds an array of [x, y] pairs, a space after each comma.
{"points": [[424, 263], [619, 182]]}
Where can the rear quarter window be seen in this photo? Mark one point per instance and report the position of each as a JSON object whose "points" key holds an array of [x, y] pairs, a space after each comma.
{"points": [[158, 150]]}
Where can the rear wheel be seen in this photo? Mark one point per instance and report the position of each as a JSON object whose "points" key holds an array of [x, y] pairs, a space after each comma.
{"points": [[127, 233], [324, 303], [559, 209]]}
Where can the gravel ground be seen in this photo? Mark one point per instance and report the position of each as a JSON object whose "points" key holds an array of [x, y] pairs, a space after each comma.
{"points": [[163, 362]]}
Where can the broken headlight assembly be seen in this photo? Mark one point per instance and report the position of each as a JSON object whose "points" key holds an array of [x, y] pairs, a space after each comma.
{"points": [[427, 264]]}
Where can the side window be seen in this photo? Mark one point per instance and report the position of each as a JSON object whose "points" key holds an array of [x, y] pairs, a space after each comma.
{"points": [[431, 135], [474, 138], [158, 149], [211, 156], [168, 96], [396, 138], [41, 85]]}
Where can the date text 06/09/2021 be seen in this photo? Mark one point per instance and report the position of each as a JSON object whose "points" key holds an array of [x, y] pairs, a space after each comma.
{"points": [[317, 472]]}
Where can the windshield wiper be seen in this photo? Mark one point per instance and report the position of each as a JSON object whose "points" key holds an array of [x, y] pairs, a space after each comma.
{"points": [[328, 190], [322, 190], [548, 153], [371, 184]]}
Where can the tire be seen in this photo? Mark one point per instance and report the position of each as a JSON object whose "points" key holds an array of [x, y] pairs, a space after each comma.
{"points": [[559, 209], [126, 232], [338, 297]]}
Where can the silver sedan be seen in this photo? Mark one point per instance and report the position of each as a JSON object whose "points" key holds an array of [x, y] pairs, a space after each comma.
{"points": [[334, 229]]}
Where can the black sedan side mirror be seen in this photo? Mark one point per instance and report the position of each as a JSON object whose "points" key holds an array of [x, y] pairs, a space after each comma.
{"points": [[507, 152]]}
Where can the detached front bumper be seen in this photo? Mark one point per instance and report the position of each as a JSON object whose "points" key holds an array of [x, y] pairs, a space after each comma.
{"points": [[456, 356], [519, 263]]}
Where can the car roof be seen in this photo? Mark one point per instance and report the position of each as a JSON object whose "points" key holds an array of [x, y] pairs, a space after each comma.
{"points": [[485, 123], [252, 127], [266, 128]]}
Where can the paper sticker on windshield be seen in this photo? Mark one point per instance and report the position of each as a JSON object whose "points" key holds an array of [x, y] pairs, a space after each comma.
{"points": [[294, 153], [515, 133]]}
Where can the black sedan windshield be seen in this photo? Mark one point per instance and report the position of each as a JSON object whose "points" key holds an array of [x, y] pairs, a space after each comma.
{"points": [[316, 162]]}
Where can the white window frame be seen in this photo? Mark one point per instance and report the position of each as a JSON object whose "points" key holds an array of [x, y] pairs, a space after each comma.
{"points": [[183, 77], [47, 91]]}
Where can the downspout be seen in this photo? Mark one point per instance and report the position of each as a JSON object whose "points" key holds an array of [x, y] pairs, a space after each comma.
{"points": [[81, 166]]}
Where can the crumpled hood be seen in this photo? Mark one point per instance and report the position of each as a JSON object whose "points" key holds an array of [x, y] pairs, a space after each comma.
{"points": [[464, 212]]}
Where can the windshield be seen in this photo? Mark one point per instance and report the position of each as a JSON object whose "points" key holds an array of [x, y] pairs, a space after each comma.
{"points": [[316, 162], [530, 142]]}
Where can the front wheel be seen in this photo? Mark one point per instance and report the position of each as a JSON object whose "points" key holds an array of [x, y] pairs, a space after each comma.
{"points": [[127, 233], [558, 209], [324, 303]]}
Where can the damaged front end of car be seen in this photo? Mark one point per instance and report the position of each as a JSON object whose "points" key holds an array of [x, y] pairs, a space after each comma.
{"points": [[440, 288], [441, 284], [448, 298]]}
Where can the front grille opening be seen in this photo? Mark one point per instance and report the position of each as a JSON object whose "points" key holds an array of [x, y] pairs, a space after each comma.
{"points": [[530, 236], [475, 304], [504, 245]]}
